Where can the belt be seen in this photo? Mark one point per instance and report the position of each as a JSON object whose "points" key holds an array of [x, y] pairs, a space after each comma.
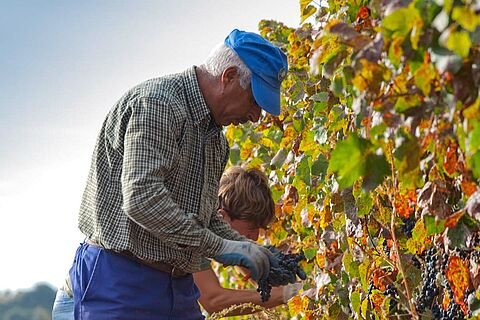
{"points": [[157, 265]]}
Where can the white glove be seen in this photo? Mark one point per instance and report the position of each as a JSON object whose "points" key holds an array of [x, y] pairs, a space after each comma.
{"points": [[249, 255], [291, 290]]}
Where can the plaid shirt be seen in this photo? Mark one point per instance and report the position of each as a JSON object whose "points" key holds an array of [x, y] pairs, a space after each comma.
{"points": [[153, 182]]}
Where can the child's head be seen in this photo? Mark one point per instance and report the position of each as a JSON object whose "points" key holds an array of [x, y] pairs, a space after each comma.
{"points": [[246, 200]]}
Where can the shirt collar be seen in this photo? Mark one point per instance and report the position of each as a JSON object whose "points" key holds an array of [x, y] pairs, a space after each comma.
{"points": [[196, 103]]}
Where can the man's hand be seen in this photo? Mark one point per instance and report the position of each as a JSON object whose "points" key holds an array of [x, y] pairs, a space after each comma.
{"points": [[249, 255]]}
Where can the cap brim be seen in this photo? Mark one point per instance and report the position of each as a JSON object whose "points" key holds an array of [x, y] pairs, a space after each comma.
{"points": [[266, 96]]}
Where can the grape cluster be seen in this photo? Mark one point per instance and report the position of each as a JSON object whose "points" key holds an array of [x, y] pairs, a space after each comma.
{"points": [[287, 271], [454, 312], [430, 289], [386, 248], [391, 291], [408, 225]]}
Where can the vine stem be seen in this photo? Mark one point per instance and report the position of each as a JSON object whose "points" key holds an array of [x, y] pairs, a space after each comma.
{"points": [[408, 293]]}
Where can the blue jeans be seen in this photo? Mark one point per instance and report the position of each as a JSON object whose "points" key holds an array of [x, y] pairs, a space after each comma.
{"points": [[62, 306], [107, 285]]}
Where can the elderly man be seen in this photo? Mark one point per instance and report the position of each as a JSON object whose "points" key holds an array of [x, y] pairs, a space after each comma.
{"points": [[149, 208]]}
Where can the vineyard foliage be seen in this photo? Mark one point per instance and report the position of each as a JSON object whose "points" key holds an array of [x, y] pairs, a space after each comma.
{"points": [[374, 161]]}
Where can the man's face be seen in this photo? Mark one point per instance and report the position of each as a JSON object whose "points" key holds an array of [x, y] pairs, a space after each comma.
{"points": [[237, 105], [240, 107]]}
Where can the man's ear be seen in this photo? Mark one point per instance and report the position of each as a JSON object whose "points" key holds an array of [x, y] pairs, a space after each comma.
{"points": [[229, 75]]}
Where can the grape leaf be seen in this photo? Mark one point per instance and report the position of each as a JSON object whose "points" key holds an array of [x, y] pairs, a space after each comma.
{"points": [[348, 160]]}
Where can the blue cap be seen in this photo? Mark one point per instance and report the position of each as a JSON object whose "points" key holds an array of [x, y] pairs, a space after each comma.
{"points": [[267, 63]]}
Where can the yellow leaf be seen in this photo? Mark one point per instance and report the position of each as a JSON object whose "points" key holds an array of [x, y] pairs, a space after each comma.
{"points": [[320, 259], [307, 12], [473, 111], [458, 276], [460, 43], [364, 308], [416, 30], [267, 142], [288, 135], [466, 17], [246, 149], [416, 244], [424, 76], [371, 76], [297, 304], [395, 51]]}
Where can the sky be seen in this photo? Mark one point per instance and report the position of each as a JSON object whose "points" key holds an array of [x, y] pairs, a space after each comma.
{"points": [[63, 64]]}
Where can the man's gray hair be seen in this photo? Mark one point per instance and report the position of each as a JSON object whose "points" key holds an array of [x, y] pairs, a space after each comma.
{"points": [[223, 57]]}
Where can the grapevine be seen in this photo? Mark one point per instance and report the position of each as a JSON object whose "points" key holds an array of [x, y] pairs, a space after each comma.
{"points": [[374, 162]]}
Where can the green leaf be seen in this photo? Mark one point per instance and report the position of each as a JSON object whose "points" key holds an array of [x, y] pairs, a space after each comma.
{"points": [[401, 21], [350, 266], [348, 160], [364, 204], [434, 226], [310, 253], [320, 166], [406, 103], [378, 129], [234, 155], [460, 43], [338, 223], [474, 137], [377, 168], [363, 271], [474, 163], [458, 235], [355, 300], [407, 159], [320, 97], [303, 170]]}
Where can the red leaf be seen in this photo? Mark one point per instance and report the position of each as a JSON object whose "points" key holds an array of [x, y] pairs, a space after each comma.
{"points": [[363, 13]]}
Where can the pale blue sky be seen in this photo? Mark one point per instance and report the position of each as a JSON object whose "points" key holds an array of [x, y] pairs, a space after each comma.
{"points": [[63, 64]]}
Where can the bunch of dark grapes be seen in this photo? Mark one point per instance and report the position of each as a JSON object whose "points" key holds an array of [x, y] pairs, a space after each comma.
{"points": [[386, 248], [454, 312], [393, 293], [408, 225], [287, 271], [430, 289]]}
